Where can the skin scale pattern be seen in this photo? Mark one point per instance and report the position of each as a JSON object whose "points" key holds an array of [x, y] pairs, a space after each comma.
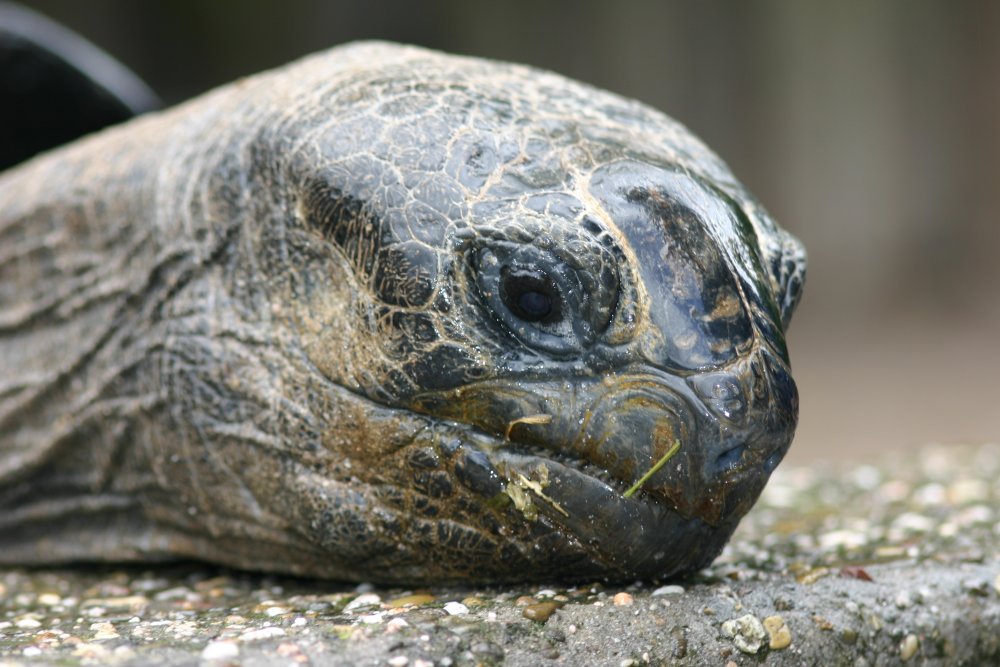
{"points": [[278, 328]]}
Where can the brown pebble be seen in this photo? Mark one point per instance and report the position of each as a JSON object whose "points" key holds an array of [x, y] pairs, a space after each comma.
{"points": [[540, 611], [416, 600], [680, 643], [104, 631], [822, 623], [524, 600], [855, 572], [623, 599], [779, 633], [813, 575]]}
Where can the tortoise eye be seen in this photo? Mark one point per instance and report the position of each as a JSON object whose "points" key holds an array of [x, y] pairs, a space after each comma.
{"points": [[529, 294], [535, 305]]}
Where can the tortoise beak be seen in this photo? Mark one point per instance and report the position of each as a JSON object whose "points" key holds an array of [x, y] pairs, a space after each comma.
{"points": [[733, 425]]}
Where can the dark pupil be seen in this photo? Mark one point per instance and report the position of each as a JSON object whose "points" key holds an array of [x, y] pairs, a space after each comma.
{"points": [[529, 294], [535, 304]]}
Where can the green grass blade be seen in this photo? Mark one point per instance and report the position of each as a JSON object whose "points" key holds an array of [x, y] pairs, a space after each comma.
{"points": [[652, 471]]}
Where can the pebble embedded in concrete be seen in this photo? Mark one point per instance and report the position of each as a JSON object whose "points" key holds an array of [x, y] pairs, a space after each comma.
{"points": [[456, 609], [747, 633], [623, 599], [779, 633], [220, 651]]}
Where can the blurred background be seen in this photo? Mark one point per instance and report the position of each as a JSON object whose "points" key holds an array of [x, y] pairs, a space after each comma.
{"points": [[870, 130]]}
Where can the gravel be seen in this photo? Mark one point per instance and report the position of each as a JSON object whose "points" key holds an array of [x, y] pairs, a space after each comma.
{"points": [[873, 565]]}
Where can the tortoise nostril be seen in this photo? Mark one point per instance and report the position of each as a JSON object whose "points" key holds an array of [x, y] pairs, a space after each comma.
{"points": [[722, 394], [729, 459]]}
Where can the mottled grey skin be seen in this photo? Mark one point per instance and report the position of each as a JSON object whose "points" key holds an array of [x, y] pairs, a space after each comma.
{"points": [[280, 328]]}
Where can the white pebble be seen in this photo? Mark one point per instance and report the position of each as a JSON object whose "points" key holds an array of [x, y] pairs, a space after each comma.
{"points": [[220, 650], [779, 495], [31, 652], [912, 522], [299, 622], [396, 624], [930, 495], [976, 514], [262, 633], [28, 623], [866, 477], [964, 491], [668, 590], [364, 600], [842, 539], [399, 661], [747, 633], [275, 611], [908, 647], [456, 609]]}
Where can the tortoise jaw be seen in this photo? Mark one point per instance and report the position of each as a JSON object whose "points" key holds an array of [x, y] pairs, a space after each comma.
{"points": [[566, 456], [629, 536]]}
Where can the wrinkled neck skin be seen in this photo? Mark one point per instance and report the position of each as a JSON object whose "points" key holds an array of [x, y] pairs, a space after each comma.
{"points": [[286, 340]]}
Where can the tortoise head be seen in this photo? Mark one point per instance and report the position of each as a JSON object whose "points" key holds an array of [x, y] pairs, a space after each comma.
{"points": [[645, 324], [564, 303]]}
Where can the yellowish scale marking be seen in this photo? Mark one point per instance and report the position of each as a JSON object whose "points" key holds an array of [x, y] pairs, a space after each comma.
{"points": [[529, 419]]}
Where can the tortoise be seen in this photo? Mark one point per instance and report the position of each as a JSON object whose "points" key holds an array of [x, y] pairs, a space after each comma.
{"points": [[390, 315]]}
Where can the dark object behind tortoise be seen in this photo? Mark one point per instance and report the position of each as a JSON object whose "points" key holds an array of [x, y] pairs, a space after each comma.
{"points": [[390, 315], [56, 87]]}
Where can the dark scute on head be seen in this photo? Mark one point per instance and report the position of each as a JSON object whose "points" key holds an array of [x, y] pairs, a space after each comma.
{"points": [[405, 332], [696, 272], [56, 87], [435, 484], [345, 221], [475, 471], [443, 367], [789, 271], [406, 274]]}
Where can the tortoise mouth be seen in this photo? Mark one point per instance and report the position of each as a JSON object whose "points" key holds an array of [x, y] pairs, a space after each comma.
{"points": [[569, 453], [613, 433], [630, 536]]}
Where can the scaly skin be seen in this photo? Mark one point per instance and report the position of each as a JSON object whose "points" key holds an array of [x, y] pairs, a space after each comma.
{"points": [[279, 328]]}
